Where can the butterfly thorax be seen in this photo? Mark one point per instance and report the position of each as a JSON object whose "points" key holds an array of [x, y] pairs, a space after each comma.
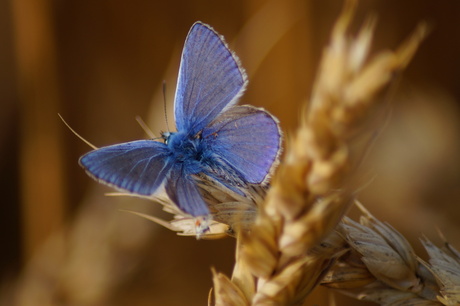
{"points": [[187, 149]]}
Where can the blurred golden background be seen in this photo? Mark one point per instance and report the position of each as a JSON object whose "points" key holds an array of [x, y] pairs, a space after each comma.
{"points": [[101, 63]]}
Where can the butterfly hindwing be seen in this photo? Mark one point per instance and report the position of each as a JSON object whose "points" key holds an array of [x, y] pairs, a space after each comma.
{"points": [[182, 190], [247, 138], [210, 79], [138, 166]]}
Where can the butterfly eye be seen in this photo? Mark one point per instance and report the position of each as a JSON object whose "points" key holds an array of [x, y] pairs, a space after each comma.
{"points": [[165, 136]]}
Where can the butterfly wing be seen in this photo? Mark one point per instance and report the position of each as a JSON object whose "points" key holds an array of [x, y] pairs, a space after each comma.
{"points": [[182, 190], [138, 166], [247, 139], [210, 79]]}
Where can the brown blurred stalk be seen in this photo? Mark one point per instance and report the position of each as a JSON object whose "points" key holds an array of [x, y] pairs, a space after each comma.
{"points": [[42, 179]]}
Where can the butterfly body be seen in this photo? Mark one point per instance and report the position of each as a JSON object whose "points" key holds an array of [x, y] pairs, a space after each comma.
{"points": [[194, 155], [187, 149], [233, 145]]}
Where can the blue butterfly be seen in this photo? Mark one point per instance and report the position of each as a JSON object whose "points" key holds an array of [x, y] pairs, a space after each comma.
{"points": [[233, 145]]}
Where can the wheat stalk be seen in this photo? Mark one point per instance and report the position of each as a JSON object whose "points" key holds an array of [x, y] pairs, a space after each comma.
{"points": [[281, 259]]}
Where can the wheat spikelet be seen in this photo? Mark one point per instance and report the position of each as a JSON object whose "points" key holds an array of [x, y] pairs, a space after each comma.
{"points": [[310, 191], [382, 267], [444, 264]]}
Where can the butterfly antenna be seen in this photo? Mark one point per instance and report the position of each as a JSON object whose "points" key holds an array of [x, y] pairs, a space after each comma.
{"points": [[146, 129], [76, 134], [164, 105]]}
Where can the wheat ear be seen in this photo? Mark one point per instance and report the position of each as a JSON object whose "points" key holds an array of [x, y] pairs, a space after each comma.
{"points": [[281, 259]]}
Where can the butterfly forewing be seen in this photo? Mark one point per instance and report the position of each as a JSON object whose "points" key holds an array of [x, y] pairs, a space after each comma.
{"points": [[139, 166], [246, 138], [210, 79]]}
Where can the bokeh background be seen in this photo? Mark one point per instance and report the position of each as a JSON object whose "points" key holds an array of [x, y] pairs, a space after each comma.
{"points": [[101, 63]]}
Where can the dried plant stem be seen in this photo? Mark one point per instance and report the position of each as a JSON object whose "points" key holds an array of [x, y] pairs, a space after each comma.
{"points": [[282, 256]]}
